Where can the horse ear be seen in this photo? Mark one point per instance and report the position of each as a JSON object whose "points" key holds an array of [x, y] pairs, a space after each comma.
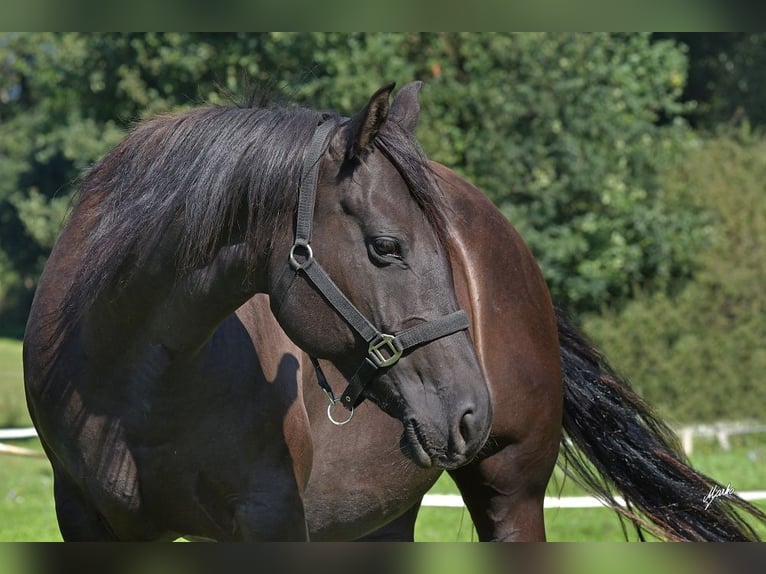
{"points": [[406, 107], [367, 123]]}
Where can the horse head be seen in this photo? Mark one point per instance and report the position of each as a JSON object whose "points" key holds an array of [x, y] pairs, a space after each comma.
{"points": [[383, 296]]}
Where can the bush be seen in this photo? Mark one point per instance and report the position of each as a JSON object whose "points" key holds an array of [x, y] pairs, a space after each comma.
{"points": [[701, 354]]}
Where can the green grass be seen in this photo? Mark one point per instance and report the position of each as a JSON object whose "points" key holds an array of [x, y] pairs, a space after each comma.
{"points": [[26, 489], [13, 406], [744, 466], [562, 524], [27, 514], [26, 498]]}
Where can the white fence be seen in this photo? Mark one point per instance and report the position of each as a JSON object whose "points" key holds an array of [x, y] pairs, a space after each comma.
{"points": [[456, 501], [720, 431], [17, 434], [10, 434]]}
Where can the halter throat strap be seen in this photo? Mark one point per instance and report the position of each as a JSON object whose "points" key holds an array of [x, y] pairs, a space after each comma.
{"points": [[384, 350]]}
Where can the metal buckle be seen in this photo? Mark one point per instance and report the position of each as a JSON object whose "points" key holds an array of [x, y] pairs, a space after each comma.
{"points": [[294, 263], [381, 359]]}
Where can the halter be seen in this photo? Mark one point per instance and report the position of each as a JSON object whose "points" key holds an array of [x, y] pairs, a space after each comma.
{"points": [[383, 350]]}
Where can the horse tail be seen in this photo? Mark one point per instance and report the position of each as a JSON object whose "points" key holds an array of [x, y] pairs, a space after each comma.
{"points": [[612, 439]]}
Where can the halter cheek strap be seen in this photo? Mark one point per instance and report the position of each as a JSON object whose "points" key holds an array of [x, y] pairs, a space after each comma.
{"points": [[383, 350]]}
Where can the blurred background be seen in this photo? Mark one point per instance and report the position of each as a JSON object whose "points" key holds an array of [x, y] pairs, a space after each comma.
{"points": [[632, 163]]}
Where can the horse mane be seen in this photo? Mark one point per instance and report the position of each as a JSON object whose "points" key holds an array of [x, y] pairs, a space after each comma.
{"points": [[196, 170], [194, 174]]}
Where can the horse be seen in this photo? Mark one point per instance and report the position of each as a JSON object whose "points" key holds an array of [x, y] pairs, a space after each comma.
{"points": [[139, 368], [554, 395], [545, 377]]}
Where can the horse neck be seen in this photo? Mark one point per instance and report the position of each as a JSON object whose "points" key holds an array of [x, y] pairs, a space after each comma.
{"points": [[178, 310]]}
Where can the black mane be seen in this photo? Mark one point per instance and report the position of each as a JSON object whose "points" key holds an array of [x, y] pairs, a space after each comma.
{"points": [[196, 173], [198, 170]]}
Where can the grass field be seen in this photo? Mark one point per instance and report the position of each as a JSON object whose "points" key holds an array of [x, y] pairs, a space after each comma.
{"points": [[744, 466], [13, 407], [26, 499]]}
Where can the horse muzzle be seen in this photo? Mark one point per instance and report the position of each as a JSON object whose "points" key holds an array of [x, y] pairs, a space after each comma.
{"points": [[450, 448]]}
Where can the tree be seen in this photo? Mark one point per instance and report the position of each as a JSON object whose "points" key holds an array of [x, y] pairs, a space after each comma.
{"points": [[567, 133], [699, 354], [727, 77]]}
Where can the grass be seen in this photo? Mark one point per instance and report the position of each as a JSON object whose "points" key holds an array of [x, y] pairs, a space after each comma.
{"points": [[27, 513], [26, 486], [13, 406], [744, 466], [26, 498]]}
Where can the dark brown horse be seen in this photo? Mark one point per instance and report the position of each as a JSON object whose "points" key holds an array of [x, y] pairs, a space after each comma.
{"points": [[161, 410], [544, 377], [514, 329], [238, 414]]}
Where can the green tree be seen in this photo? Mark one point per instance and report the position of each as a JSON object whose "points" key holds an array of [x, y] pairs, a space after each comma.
{"points": [[64, 100], [700, 354], [727, 77], [567, 133]]}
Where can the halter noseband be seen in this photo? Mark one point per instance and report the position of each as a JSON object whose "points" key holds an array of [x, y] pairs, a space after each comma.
{"points": [[384, 350]]}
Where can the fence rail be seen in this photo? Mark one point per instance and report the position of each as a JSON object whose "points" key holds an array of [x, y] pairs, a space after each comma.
{"points": [[456, 501], [11, 434], [721, 431], [19, 434]]}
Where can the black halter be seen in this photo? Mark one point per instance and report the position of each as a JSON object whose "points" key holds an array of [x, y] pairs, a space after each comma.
{"points": [[384, 350]]}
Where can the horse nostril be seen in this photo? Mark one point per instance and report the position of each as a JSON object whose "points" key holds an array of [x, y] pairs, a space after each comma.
{"points": [[466, 428]]}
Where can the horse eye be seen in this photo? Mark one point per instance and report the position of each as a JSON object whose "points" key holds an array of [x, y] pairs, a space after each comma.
{"points": [[387, 247]]}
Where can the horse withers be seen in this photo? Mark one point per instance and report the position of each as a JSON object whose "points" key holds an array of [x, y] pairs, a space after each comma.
{"points": [[153, 394]]}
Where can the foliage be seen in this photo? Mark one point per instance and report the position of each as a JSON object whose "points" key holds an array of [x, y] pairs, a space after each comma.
{"points": [[565, 132], [727, 77], [700, 354]]}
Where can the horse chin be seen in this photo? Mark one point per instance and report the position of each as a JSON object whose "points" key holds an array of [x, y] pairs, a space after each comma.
{"points": [[417, 443]]}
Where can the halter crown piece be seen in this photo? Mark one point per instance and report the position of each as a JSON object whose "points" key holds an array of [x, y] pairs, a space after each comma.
{"points": [[384, 350]]}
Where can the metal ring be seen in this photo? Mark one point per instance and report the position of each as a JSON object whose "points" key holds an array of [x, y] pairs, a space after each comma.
{"points": [[294, 263], [333, 421]]}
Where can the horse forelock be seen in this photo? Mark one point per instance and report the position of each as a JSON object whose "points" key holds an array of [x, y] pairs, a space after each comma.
{"points": [[404, 152]]}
